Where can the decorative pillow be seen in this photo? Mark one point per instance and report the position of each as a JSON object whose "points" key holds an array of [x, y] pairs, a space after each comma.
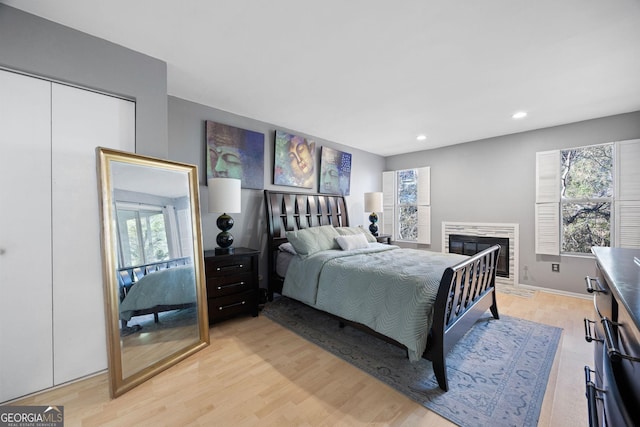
{"points": [[287, 247], [353, 241], [348, 231], [308, 241]]}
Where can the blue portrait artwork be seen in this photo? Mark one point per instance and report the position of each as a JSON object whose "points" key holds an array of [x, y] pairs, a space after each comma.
{"points": [[335, 172], [294, 161], [235, 153]]}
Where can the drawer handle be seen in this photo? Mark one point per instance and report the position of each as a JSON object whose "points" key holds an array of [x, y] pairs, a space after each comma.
{"points": [[614, 354], [224, 307], [230, 267], [591, 289], [588, 336], [230, 285], [591, 391]]}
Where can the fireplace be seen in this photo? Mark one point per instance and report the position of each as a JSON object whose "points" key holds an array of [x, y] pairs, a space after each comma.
{"points": [[507, 231], [471, 245]]}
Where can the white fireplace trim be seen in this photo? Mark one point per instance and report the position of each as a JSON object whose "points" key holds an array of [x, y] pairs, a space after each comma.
{"points": [[508, 230]]}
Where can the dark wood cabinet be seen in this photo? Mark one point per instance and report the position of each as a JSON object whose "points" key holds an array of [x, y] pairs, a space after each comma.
{"points": [[232, 283], [384, 238], [613, 385]]}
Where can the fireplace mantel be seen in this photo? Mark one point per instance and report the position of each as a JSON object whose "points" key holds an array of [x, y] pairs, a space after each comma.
{"points": [[508, 230]]}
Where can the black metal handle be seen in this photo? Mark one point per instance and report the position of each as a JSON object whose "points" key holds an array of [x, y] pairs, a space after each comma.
{"points": [[588, 336], [224, 307], [230, 267], [612, 349], [591, 395], [591, 289], [230, 285]]}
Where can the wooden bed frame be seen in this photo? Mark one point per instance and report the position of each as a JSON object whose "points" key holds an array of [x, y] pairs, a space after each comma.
{"points": [[466, 292]]}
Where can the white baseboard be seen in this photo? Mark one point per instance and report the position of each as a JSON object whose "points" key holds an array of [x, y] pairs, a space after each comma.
{"points": [[555, 291]]}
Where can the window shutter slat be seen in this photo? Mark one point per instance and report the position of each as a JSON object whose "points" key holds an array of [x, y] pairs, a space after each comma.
{"points": [[388, 203], [424, 225], [628, 224], [548, 176], [547, 228], [628, 170], [424, 186]]}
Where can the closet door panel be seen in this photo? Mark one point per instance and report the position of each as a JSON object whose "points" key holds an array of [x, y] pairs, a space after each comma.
{"points": [[81, 121], [26, 362]]}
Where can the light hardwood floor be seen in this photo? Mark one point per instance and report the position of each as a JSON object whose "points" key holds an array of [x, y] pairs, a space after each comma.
{"points": [[257, 373]]}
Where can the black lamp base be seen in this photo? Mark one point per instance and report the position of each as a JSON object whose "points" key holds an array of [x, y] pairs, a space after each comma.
{"points": [[373, 227], [224, 239]]}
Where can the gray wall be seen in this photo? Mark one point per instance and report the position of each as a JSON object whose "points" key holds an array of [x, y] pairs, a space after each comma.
{"points": [[487, 181], [40, 47], [187, 144], [493, 180]]}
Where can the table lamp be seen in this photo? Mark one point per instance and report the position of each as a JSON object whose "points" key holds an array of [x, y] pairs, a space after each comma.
{"points": [[373, 204], [225, 195]]}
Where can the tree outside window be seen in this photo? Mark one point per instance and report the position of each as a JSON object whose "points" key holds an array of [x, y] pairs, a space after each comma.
{"points": [[407, 193], [586, 197]]}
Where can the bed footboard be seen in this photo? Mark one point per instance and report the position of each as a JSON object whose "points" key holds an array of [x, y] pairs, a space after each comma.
{"points": [[466, 291]]}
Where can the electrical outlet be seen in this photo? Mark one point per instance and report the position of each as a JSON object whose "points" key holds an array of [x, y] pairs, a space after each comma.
{"points": [[555, 268]]}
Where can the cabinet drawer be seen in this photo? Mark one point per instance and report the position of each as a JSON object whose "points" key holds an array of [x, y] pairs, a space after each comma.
{"points": [[230, 284], [629, 345], [245, 302], [222, 266]]}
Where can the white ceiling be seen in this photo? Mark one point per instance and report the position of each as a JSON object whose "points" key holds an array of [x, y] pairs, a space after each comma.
{"points": [[373, 74]]}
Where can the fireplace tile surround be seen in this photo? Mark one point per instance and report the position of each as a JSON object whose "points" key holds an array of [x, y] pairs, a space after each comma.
{"points": [[506, 230]]}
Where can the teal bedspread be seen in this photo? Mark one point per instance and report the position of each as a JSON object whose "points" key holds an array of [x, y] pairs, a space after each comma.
{"points": [[173, 286], [388, 289]]}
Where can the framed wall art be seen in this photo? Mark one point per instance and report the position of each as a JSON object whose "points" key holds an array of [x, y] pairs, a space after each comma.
{"points": [[294, 161], [335, 171], [235, 153]]}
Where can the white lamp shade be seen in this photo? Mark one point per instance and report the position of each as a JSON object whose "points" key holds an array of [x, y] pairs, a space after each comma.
{"points": [[373, 202], [225, 195]]}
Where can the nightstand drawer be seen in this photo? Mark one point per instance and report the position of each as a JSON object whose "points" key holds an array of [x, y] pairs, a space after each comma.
{"points": [[216, 267], [231, 284], [245, 302]]}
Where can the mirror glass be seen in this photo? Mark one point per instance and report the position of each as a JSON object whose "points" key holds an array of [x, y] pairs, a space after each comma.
{"points": [[153, 267]]}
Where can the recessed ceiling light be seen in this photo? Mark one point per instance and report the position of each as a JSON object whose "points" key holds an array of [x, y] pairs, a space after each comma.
{"points": [[421, 137], [520, 115]]}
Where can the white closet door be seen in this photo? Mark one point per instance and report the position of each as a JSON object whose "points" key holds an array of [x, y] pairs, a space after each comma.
{"points": [[26, 363], [81, 121]]}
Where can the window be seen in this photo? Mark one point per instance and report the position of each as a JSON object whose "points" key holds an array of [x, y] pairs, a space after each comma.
{"points": [[407, 203], [142, 235], [406, 200], [588, 196]]}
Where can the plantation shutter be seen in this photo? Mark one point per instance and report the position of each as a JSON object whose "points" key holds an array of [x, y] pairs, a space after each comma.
{"points": [[547, 209], [388, 203], [424, 208], [627, 202]]}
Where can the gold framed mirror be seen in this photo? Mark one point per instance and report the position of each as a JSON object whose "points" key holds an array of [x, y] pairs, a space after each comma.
{"points": [[155, 295]]}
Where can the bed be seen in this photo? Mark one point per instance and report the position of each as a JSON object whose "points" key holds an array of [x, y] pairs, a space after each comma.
{"points": [[163, 290], [425, 303]]}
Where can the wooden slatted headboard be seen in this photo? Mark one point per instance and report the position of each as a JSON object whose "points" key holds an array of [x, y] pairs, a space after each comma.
{"points": [[287, 211]]}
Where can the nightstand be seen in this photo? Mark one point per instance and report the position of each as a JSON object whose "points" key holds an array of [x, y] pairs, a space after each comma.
{"points": [[232, 283], [384, 238]]}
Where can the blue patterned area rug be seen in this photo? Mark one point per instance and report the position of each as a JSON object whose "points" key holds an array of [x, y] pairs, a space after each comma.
{"points": [[497, 372]]}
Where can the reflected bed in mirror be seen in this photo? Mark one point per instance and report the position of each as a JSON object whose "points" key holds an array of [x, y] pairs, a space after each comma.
{"points": [[153, 268]]}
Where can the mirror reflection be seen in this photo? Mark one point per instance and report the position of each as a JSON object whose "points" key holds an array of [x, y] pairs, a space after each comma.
{"points": [[153, 264]]}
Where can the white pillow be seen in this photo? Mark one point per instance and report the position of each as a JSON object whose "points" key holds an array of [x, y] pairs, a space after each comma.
{"points": [[308, 241], [353, 241], [347, 231], [287, 247]]}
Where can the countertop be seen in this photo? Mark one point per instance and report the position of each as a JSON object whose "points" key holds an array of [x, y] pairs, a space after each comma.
{"points": [[622, 270]]}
